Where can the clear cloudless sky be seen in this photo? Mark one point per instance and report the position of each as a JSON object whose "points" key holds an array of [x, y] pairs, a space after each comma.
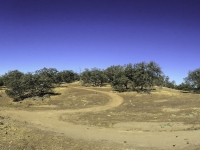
{"points": [[79, 34]]}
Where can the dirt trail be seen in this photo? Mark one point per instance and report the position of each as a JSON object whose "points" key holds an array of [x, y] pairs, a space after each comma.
{"points": [[49, 120]]}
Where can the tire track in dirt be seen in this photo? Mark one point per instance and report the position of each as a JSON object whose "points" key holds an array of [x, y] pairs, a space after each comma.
{"points": [[49, 120], [114, 101]]}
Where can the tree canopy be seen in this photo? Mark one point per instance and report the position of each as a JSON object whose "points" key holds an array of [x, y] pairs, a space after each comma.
{"points": [[193, 79], [95, 77], [130, 77], [122, 78], [1, 81], [21, 85]]}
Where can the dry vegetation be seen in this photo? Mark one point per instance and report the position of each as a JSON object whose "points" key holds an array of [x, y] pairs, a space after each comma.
{"points": [[16, 135], [65, 98], [164, 110], [165, 106]]}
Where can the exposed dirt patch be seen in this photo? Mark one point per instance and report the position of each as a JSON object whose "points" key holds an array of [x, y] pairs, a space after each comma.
{"points": [[18, 135], [75, 98], [171, 109], [98, 118], [160, 101], [67, 99], [45, 106], [174, 107]]}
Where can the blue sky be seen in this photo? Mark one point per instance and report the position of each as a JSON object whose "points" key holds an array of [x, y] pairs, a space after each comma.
{"points": [[79, 34]]}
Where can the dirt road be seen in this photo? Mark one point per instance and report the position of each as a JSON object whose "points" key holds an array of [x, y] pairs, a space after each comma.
{"points": [[49, 120]]}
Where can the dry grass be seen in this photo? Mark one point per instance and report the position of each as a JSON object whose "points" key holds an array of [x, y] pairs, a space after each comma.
{"points": [[163, 105], [67, 98], [163, 110], [17, 135]]}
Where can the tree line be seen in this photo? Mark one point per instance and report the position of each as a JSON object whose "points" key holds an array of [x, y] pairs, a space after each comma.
{"points": [[140, 77], [21, 85]]}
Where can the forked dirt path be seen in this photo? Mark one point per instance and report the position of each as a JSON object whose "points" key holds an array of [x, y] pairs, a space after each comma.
{"points": [[49, 120]]}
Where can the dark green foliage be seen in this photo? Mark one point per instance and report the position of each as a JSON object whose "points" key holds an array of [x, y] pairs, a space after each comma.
{"points": [[11, 94], [47, 75], [138, 77], [95, 77], [98, 77], [143, 75], [67, 76], [118, 77], [44, 80], [193, 79], [184, 87], [171, 84], [120, 81], [1, 81], [160, 81], [85, 76], [13, 81], [154, 72], [22, 85], [164, 81], [111, 71], [36, 84]]}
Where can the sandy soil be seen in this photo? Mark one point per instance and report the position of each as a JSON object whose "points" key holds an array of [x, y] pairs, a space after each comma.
{"points": [[122, 135]]}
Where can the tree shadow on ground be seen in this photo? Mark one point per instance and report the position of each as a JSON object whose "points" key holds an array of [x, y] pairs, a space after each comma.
{"points": [[192, 92], [41, 96]]}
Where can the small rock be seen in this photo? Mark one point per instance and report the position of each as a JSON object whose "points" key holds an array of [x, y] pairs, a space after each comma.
{"points": [[125, 142], [6, 132], [174, 145]]}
